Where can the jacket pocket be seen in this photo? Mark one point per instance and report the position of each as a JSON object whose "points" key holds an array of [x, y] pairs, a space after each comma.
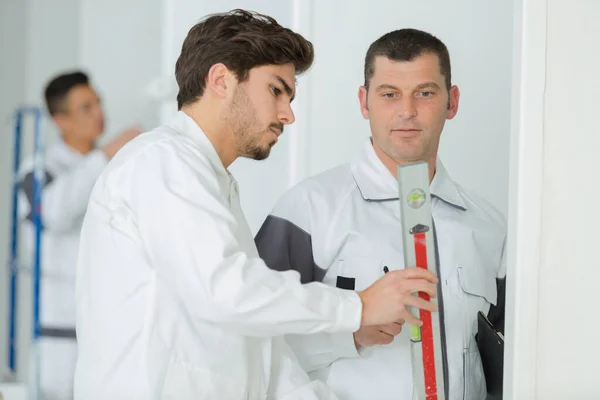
{"points": [[185, 381], [479, 292], [479, 289], [475, 280], [358, 272]]}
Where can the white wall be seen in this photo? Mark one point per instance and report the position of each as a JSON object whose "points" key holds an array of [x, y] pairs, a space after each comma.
{"points": [[12, 93], [120, 48], [329, 129], [568, 349], [52, 43]]}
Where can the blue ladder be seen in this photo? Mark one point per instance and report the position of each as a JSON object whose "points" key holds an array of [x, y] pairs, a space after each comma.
{"points": [[20, 115]]}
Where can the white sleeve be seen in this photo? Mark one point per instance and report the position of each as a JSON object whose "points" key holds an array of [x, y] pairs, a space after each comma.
{"points": [[319, 350], [188, 232], [65, 196], [289, 381]]}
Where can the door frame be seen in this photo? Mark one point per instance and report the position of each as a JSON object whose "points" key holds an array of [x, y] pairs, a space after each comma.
{"points": [[525, 198]]}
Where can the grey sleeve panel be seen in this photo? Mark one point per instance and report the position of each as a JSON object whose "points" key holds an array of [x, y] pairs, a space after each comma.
{"points": [[284, 246], [26, 185]]}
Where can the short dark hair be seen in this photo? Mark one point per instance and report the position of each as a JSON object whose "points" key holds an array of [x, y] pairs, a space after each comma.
{"points": [[59, 87], [406, 45], [241, 40]]}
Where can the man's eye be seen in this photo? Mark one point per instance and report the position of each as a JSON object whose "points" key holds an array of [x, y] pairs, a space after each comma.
{"points": [[276, 91], [388, 95]]}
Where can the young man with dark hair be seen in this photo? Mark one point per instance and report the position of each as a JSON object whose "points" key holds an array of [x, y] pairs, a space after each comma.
{"points": [[344, 226], [173, 299], [71, 166]]}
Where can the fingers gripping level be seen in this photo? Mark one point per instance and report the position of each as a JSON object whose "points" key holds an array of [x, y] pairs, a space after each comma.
{"points": [[429, 365]]}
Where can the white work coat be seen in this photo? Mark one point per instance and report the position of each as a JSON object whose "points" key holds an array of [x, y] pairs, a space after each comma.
{"points": [[342, 227], [173, 301], [67, 182]]}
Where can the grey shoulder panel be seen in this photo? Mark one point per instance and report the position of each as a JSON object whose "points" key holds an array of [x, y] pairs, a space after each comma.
{"points": [[284, 246]]}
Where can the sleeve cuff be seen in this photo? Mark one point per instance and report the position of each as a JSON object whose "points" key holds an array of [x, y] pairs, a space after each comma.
{"points": [[343, 345], [349, 317], [349, 311]]}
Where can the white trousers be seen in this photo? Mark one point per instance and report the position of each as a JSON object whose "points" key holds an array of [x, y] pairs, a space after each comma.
{"points": [[57, 367]]}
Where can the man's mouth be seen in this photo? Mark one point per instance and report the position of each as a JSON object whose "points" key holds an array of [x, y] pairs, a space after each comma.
{"points": [[276, 130]]}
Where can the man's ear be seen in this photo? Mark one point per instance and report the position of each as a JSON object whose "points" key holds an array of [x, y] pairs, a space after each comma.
{"points": [[363, 94], [453, 98], [217, 79], [61, 121]]}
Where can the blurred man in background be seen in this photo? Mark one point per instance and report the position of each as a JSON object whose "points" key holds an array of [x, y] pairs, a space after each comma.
{"points": [[71, 167]]}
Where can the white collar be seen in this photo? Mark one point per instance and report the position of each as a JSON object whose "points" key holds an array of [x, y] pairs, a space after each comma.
{"points": [[375, 181], [186, 126]]}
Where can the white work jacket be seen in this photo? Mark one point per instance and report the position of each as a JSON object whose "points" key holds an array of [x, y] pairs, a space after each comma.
{"points": [[67, 182], [342, 227], [173, 301]]}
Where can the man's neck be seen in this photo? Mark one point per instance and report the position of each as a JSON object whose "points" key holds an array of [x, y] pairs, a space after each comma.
{"points": [[207, 118], [79, 145], [392, 164]]}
